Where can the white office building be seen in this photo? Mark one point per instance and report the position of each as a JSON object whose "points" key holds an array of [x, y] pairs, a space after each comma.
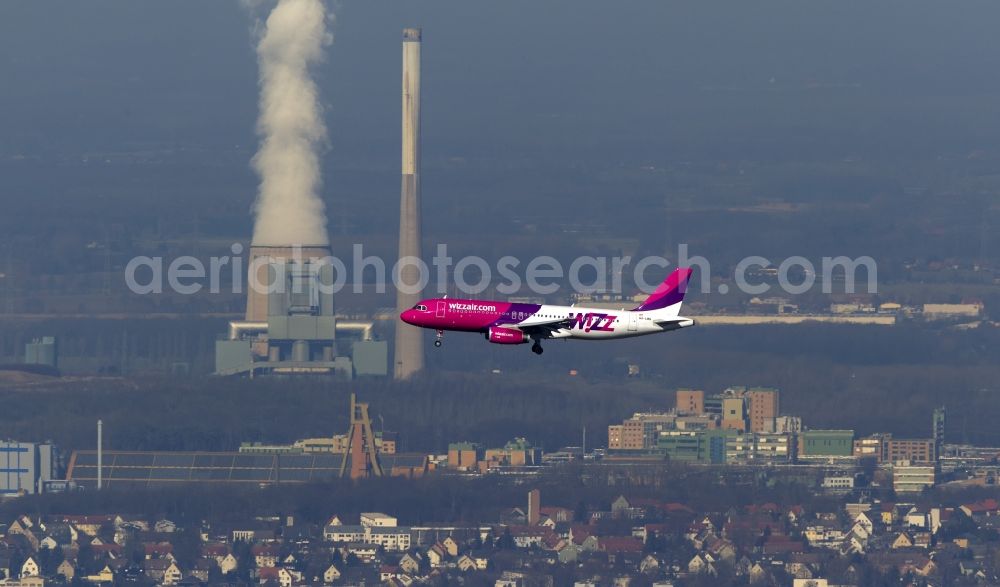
{"points": [[378, 520], [25, 467], [909, 478]]}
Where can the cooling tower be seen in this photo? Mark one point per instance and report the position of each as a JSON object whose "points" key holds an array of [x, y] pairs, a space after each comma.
{"points": [[409, 339]]}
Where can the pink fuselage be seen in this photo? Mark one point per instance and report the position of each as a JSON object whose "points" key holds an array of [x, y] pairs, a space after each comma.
{"points": [[468, 315], [558, 321]]}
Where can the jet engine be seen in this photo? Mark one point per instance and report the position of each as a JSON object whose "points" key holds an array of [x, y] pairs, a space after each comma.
{"points": [[499, 335]]}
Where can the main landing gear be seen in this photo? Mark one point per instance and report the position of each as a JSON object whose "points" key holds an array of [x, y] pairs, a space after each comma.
{"points": [[440, 335], [537, 348]]}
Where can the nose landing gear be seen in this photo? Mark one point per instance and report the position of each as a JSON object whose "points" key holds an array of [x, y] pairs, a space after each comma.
{"points": [[437, 340]]}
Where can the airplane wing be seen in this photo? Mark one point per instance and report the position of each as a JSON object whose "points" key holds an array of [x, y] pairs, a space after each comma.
{"points": [[543, 328]]}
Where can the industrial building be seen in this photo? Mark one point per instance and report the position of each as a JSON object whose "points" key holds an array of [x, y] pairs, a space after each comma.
{"points": [[739, 409], [386, 443], [885, 449], [42, 351], [720, 446], [261, 465], [762, 447], [132, 469], [640, 431], [762, 407], [470, 456], [825, 444], [690, 401], [938, 420], [952, 311], [465, 456], [908, 477], [696, 446], [26, 467], [742, 426], [290, 324]]}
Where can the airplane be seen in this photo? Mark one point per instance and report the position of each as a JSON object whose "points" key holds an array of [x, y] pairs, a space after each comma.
{"points": [[519, 323]]}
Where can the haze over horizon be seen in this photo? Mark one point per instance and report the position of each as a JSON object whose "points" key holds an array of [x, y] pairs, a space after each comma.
{"points": [[663, 75]]}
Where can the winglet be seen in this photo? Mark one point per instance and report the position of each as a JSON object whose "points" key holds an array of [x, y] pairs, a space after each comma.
{"points": [[669, 293]]}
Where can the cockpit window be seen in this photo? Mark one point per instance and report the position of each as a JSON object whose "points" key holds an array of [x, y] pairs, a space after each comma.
{"points": [[420, 307]]}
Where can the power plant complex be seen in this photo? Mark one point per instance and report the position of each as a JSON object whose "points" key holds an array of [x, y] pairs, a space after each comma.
{"points": [[290, 324], [358, 454]]}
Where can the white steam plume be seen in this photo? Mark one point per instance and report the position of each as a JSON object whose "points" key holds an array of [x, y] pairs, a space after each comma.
{"points": [[288, 209]]}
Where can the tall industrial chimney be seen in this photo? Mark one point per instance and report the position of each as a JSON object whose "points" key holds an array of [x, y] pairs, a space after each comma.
{"points": [[100, 454], [409, 339]]}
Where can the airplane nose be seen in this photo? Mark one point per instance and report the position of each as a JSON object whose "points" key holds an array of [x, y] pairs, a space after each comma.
{"points": [[406, 316]]}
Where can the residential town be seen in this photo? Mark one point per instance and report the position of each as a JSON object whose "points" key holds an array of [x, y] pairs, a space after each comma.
{"points": [[719, 490], [635, 541]]}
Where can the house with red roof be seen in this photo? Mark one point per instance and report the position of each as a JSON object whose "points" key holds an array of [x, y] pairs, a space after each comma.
{"points": [[89, 525], [267, 574], [783, 545], [215, 550], [675, 508], [619, 544], [386, 572], [634, 507], [721, 549], [264, 555], [112, 550], [981, 509], [528, 536], [158, 550]]}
